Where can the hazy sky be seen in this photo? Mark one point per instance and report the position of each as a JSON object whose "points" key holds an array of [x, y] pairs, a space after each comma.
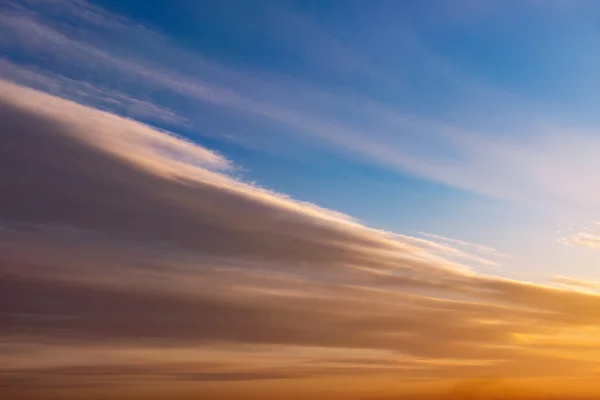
{"points": [[299, 199]]}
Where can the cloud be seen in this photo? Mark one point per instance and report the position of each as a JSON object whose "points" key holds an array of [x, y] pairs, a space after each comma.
{"points": [[476, 247], [587, 236], [576, 283], [88, 94], [465, 251], [586, 240], [117, 372], [116, 234], [131, 159]]}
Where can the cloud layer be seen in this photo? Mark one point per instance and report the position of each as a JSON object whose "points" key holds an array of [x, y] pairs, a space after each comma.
{"points": [[117, 235]]}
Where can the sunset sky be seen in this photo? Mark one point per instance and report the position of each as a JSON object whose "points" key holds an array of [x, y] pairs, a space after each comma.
{"points": [[294, 199]]}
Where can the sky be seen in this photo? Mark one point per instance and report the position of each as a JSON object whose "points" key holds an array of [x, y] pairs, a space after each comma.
{"points": [[361, 200]]}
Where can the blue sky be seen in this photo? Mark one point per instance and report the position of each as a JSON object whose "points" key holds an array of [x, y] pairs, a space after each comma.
{"points": [[472, 119]]}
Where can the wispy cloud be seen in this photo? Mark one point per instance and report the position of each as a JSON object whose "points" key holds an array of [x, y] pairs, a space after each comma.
{"points": [[576, 283], [538, 165], [586, 240], [87, 93], [469, 252], [587, 236]]}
